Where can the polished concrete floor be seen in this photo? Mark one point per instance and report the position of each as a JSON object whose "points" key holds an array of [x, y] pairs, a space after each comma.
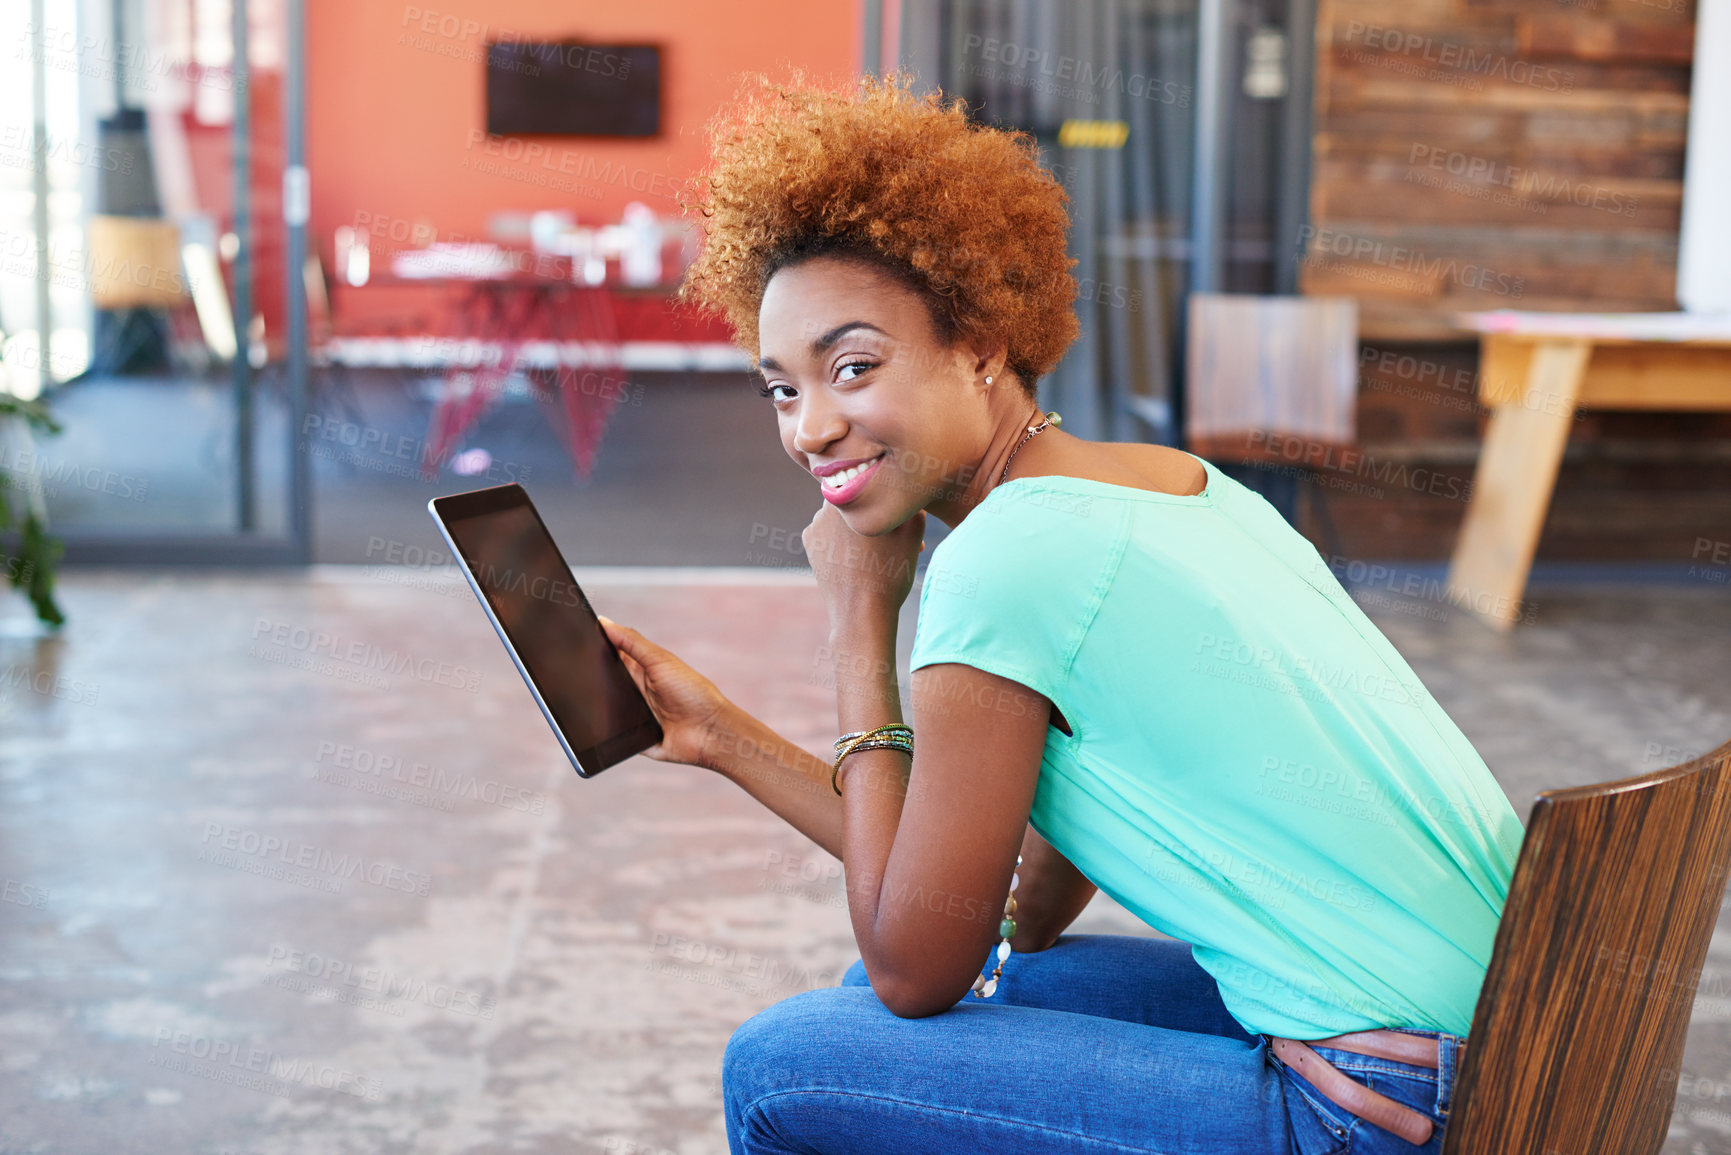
{"points": [[291, 864]]}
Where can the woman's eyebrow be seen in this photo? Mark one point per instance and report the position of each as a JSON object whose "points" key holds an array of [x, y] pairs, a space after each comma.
{"points": [[822, 343]]}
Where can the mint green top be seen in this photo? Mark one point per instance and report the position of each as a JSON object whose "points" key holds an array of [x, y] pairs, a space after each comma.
{"points": [[1253, 768]]}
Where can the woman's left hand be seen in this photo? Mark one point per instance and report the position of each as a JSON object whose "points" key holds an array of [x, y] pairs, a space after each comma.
{"points": [[862, 575]]}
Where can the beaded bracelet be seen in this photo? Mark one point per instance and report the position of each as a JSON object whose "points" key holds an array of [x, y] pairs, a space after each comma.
{"points": [[894, 735], [869, 742], [877, 741], [984, 987], [887, 728]]}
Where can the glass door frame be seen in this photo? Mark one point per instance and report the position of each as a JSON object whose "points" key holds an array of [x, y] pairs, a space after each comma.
{"points": [[244, 547]]}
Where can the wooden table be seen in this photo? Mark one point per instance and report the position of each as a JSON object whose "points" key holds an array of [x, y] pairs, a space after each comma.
{"points": [[1534, 369]]}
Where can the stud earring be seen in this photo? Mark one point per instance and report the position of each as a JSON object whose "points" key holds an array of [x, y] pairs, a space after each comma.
{"points": [[988, 380]]}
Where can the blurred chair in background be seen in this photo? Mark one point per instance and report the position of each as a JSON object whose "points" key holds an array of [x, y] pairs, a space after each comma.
{"points": [[135, 275], [1272, 389]]}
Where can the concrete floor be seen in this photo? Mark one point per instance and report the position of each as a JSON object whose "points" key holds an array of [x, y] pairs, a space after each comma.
{"points": [[263, 897]]}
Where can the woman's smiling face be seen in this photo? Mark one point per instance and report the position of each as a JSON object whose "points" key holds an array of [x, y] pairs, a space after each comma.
{"points": [[860, 377]]}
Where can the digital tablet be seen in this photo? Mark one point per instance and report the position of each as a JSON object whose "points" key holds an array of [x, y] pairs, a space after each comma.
{"points": [[572, 667]]}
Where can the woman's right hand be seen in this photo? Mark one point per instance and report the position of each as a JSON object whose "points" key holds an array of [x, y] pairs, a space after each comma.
{"points": [[686, 703]]}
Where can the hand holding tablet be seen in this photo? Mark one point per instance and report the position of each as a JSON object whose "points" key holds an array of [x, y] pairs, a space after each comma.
{"points": [[686, 703]]}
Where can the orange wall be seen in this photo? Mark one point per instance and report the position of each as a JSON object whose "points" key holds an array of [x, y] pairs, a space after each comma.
{"points": [[395, 97]]}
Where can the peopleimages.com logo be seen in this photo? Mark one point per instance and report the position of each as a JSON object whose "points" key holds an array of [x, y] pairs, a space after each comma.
{"points": [[252, 850], [317, 649]]}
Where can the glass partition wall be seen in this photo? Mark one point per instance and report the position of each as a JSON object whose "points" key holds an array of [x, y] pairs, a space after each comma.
{"points": [[1180, 130], [145, 296]]}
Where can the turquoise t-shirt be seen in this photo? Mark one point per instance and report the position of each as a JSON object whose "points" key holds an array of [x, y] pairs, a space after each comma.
{"points": [[1253, 768]]}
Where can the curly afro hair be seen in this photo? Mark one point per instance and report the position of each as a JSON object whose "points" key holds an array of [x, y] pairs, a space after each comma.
{"points": [[964, 214]]}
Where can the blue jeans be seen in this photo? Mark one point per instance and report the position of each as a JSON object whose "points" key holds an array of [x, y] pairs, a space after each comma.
{"points": [[1099, 1043]]}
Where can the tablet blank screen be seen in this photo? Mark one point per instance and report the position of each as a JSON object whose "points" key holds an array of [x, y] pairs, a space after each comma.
{"points": [[579, 674]]}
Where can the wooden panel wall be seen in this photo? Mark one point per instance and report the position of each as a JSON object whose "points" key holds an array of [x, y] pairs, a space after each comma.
{"points": [[1483, 154], [1474, 154]]}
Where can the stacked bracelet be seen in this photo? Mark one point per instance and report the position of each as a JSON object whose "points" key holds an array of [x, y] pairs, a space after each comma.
{"points": [[896, 736], [888, 728], [892, 736]]}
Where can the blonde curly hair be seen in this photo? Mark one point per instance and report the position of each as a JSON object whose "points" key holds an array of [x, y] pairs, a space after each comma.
{"points": [[964, 214]]}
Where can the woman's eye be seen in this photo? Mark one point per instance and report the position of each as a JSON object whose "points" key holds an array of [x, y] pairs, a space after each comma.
{"points": [[769, 391], [860, 365]]}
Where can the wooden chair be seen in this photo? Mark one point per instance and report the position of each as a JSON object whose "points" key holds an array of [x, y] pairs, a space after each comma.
{"points": [[1578, 1033], [135, 278], [1272, 386]]}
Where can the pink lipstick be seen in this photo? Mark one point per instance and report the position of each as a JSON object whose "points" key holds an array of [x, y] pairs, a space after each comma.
{"points": [[850, 489]]}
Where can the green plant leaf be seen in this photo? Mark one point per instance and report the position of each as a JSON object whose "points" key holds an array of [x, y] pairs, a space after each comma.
{"points": [[32, 568], [40, 555], [32, 412]]}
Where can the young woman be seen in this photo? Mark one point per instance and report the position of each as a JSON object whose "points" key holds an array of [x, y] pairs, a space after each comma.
{"points": [[1128, 673]]}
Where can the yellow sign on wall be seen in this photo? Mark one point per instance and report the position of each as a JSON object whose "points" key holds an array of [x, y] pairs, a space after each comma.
{"points": [[1093, 133]]}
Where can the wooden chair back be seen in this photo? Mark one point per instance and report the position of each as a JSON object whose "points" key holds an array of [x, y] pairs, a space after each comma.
{"points": [[134, 263], [1270, 379], [1578, 1032]]}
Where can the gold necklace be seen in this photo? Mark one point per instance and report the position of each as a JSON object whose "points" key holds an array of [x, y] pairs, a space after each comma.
{"points": [[1051, 419]]}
